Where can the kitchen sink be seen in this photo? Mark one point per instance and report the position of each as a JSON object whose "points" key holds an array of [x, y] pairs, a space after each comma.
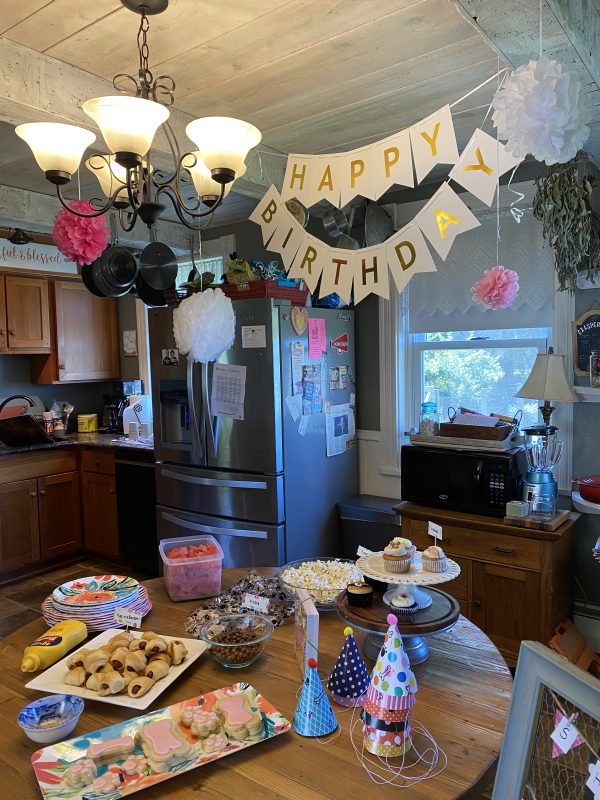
{"points": [[23, 431]]}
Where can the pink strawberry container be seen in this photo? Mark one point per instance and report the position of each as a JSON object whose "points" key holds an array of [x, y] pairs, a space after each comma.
{"points": [[191, 578]]}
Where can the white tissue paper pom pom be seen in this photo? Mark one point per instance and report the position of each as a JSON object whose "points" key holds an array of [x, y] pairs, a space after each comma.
{"points": [[542, 109], [204, 325]]}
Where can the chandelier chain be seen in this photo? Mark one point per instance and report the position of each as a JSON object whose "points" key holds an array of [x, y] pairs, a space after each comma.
{"points": [[146, 78]]}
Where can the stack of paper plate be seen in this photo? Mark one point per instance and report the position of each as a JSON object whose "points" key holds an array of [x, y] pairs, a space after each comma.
{"points": [[93, 600]]}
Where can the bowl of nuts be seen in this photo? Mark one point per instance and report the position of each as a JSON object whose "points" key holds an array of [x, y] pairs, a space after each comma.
{"points": [[236, 640], [323, 579]]}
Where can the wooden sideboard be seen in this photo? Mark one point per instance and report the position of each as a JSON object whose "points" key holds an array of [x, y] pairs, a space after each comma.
{"points": [[515, 583]]}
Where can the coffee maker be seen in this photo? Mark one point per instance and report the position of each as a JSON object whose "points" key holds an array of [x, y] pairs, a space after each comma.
{"points": [[116, 403]]}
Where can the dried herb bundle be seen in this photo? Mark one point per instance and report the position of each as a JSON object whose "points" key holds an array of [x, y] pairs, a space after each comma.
{"points": [[562, 203]]}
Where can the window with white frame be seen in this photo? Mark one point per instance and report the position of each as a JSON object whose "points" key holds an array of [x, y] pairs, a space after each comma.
{"points": [[481, 370]]}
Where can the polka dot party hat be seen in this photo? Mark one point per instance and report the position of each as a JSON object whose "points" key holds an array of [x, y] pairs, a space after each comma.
{"points": [[390, 697], [349, 678], [314, 715]]}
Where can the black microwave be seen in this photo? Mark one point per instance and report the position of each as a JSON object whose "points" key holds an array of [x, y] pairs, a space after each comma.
{"points": [[463, 480]]}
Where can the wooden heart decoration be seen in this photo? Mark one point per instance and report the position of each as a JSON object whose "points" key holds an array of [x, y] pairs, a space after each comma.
{"points": [[299, 319]]}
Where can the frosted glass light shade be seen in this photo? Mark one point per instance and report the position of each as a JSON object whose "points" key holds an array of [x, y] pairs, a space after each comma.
{"points": [[55, 146], [223, 141], [548, 380], [109, 175], [128, 124], [203, 182]]}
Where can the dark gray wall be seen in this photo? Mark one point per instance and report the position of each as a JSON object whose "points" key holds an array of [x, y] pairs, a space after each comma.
{"points": [[15, 378], [366, 320], [127, 322]]}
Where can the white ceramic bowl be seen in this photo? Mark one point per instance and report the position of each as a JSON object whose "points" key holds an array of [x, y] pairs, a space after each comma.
{"points": [[51, 718]]}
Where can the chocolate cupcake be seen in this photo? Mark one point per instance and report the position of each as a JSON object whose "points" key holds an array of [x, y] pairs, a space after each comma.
{"points": [[404, 606], [378, 586], [359, 594]]}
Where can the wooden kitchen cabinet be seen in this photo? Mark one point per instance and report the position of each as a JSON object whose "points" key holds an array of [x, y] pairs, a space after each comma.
{"points": [[40, 516], [84, 337], [59, 514], [19, 524], [24, 315], [100, 523], [515, 583]]}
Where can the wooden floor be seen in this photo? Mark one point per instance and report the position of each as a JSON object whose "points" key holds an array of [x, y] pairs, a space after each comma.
{"points": [[20, 601]]}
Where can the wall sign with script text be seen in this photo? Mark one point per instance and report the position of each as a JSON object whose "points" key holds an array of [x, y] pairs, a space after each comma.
{"points": [[586, 337]]}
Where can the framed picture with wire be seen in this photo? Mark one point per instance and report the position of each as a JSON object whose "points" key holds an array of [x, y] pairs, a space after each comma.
{"points": [[551, 746]]}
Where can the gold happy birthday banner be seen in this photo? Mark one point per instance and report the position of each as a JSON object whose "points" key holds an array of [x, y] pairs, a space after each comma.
{"points": [[370, 171]]}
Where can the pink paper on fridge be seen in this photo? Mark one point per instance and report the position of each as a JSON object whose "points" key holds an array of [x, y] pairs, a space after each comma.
{"points": [[317, 338]]}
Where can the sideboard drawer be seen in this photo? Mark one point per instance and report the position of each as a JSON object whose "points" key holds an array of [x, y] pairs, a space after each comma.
{"points": [[494, 547]]}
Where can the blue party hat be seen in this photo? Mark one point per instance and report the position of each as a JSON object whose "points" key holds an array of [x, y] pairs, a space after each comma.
{"points": [[349, 679], [314, 715]]}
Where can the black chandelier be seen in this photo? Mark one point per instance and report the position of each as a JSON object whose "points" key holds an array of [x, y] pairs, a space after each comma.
{"points": [[128, 122]]}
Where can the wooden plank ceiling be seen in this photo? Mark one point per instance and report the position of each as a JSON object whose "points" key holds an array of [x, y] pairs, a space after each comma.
{"points": [[313, 75]]}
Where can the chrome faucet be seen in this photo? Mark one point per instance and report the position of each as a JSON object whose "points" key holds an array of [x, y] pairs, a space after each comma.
{"points": [[16, 397]]}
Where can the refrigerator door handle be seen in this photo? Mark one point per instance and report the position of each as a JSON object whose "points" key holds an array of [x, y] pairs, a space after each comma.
{"points": [[196, 526], [230, 484], [211, 429], [198, 451]]}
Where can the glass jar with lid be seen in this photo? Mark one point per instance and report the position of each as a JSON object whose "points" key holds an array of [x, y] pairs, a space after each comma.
{"points": [[595, 368], [429, 420]]}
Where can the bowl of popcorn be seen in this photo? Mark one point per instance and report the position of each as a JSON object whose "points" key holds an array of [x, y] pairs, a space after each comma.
{"points": [[323, 578]]}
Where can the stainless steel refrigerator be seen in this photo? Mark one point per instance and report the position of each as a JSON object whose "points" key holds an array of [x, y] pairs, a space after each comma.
{"points": [[263, 485]]}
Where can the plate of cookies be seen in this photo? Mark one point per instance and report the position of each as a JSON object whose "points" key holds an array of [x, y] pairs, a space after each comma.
{"points": [[124, 758], [126, 668]]}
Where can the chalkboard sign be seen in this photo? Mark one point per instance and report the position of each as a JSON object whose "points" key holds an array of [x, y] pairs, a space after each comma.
{"points": [[586, 337]]}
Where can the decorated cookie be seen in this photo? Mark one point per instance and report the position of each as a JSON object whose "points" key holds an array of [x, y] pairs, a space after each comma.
{"points": [[107, 783], [164, 745], [111, 750], [134, 765], [215, 743], [80, 774], [239, 720]]}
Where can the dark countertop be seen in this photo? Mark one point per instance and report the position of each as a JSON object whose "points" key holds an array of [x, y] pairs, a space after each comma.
{"points": [[79, 440]]}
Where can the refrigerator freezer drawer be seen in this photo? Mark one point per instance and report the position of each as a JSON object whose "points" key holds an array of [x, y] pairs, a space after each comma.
{"points": [[226, 494], [244, 544]]}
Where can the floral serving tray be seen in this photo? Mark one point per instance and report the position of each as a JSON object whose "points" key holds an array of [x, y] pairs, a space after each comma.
{"points": [[52, 679], [131, 772]]}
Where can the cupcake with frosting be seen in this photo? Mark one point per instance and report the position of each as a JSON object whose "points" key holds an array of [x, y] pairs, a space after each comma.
{"points": [[396, 557], [434, 559], [408, 545], [404, 606], [359, 594]]}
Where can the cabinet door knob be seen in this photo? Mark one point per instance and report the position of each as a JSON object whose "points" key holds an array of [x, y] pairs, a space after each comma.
{"points": [[61, 366], [43, 492], [2, 332], [111, 491], [12, 331], [33, 494], [507, 551], [477, 603]]}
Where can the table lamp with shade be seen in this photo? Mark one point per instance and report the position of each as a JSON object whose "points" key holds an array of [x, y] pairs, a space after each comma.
{"points": [[547, 381]]}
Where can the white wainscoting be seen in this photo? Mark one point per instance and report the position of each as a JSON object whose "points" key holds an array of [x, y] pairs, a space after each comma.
{"points": [[371, 479]]}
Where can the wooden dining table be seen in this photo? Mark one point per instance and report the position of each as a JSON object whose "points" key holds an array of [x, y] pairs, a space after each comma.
{"points": [[463, 697]]}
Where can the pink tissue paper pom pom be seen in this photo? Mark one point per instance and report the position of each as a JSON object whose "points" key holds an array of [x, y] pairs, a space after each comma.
{"points": [[498, 288], [80, 239]]}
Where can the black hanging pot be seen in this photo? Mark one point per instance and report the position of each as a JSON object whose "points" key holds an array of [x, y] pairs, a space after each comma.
{"points": [[87, 276], [115, 271], [148, 294], [158, 266]]}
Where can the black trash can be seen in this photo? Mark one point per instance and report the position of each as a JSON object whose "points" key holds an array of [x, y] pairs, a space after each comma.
{"points": [[369, 521]]}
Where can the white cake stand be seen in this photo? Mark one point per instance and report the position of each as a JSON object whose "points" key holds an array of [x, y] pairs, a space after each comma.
{"points": [[373, 566]]}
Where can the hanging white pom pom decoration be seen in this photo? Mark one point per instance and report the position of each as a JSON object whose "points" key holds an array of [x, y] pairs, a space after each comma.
{"points": [[541, 109], [204, 325]]}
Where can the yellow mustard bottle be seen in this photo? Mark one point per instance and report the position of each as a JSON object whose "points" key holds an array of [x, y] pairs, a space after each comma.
{"points": [[54, 644]]}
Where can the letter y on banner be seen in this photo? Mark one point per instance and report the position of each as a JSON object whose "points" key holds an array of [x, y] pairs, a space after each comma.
{"points": [[480, 165], [433, 142]]}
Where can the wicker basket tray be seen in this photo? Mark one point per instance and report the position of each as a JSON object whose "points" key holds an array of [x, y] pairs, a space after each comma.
{"points": [[248, 291], [495, 434]]}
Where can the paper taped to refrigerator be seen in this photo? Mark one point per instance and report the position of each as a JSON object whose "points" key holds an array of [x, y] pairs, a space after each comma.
{"points": [[339, 427], [254, 336], [297, 349], [294, 405], [228, 391]]}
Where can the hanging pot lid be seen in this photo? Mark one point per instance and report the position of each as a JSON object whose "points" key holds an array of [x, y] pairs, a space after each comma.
{"points": [[335, 222], [378, 225], [158, 265], [115, 271], [148, 294], [87, 276], [346, 242]]}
